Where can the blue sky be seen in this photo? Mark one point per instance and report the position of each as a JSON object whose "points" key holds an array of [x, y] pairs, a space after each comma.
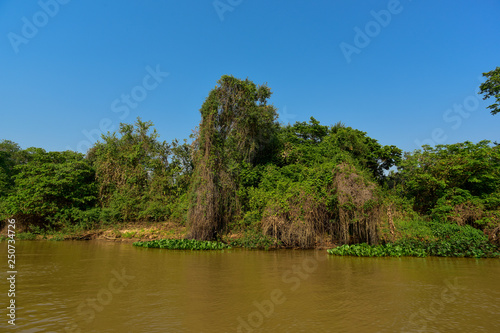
{"points": [[406, 72]]}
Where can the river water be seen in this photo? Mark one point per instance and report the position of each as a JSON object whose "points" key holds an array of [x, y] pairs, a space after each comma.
{"points": [[115, 287]]}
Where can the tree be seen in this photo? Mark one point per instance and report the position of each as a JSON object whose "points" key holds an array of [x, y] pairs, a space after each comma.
{"points": [[491, 88], [236, 128], [312, 143], [139, 177], [51, 187], [429, 174], [9, 158]]}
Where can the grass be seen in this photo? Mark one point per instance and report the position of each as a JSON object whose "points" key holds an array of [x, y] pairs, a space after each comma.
{"points": [[128, 234]]}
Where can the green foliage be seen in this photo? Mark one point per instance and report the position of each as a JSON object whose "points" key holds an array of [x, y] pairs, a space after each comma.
{"points": [[312, 143], [236, 130], [57, 237], [10, 156], [491, 88], [439, 239], [414, 228], [51, 188], [279, 185], [139, 178], [365, 250], [26, 235], [182, 244], [450, 171], [252, 239], [296, 196]]}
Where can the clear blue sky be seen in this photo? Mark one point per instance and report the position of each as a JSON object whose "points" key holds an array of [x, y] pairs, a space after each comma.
{"points": [[402, 71]]}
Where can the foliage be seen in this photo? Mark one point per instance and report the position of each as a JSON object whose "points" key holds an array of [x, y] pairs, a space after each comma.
{"points": [[10, 156], [312, 143], [138, 177], [254, 240], [51, 188], [358, 206], [182, 244], [57, 237], [365, 250], [296, 185], [446, 240], [26, 236], [432, 173], [236, 128], [491, 88], [415, 228], [296, 197]]}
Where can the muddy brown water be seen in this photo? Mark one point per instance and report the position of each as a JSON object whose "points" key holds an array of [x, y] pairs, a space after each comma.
{"points": [[100, 286]]}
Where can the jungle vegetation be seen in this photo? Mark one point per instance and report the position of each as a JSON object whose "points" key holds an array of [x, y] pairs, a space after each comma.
{"points": [[297, 185]]}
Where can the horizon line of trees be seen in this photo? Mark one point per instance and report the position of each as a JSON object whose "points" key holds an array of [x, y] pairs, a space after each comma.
{"points": [[245, 171]]}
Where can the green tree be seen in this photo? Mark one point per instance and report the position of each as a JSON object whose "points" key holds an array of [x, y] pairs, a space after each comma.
{"points": [[51, 187], [236, 128], [312, 144], [429, 174], [139, 177], [9, 157], [491, 88]]}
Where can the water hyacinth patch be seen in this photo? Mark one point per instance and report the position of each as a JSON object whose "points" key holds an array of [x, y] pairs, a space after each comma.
{"points": [[182, 244], [386, 250], [413, 248]]}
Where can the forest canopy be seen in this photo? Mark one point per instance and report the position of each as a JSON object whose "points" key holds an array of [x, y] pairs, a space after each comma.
{"points": [[296, 185]]}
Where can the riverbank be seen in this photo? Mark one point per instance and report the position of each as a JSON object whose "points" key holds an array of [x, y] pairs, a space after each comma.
{"points": [[148, 231], [128, 232], [417, 238]]}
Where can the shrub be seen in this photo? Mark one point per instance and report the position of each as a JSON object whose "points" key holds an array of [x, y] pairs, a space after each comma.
{"points": [[444, 240], [26, 236], [254, 240]]}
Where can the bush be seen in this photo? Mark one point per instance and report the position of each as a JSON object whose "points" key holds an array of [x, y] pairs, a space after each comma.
{"points": [[254, 240], [26, 236], [441, 239], [51, 187]]}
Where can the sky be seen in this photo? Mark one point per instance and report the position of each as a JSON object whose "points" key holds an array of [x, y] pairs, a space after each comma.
{"points": [[406, 72]]}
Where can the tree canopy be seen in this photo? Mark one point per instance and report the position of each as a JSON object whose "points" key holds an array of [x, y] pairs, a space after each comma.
{"points": [[236, 129], [491, 88], [297, 185]]}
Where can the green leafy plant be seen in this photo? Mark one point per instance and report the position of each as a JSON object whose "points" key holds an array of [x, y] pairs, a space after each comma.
{"points": [[446, 240], [26, 236], [182, 244], [254, 240]]}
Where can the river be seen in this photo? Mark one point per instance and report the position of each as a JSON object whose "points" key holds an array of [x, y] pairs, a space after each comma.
{"points": [[95, 286]]}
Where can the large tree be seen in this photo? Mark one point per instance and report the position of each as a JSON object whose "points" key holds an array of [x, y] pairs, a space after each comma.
{"points": [[429, 174], [138, 176], [9, 158], [51, 188], [491, 88], [236, 127]]}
